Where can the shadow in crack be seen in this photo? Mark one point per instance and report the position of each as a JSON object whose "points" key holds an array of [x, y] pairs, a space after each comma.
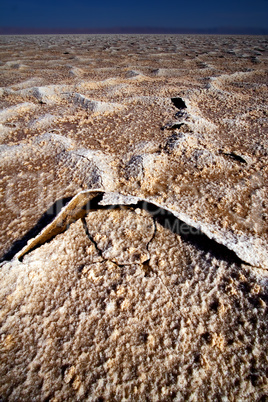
{"points": [[45, 220], [189, 234], [234, 156], [160, 215], [178, 103]]}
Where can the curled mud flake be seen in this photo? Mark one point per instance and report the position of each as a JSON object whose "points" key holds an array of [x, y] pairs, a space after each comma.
{"points": [[136, 250], [74, 210]]}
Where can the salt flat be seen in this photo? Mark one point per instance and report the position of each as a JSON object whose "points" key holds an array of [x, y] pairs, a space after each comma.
{"points": [[155, 289]]}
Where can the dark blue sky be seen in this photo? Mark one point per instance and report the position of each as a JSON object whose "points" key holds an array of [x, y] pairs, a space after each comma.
{"points": [[138, 13]]}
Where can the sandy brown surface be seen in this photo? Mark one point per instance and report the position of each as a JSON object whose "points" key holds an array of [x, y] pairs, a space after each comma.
{"points": [[157, 289]]}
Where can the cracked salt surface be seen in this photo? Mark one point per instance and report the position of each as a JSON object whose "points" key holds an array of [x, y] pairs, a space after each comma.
{"points": [[131, 205], [80, 205], [249, 248]]}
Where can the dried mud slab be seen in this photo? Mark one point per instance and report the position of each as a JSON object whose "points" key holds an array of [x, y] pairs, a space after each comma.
{"points": [[133, 217]]}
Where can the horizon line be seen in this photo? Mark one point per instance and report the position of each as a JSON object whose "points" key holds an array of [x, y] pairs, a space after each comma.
{"points": [[133, 30]]}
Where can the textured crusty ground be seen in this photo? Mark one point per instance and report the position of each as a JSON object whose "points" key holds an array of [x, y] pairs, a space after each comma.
{"points": [[95, 111], [184, 324], [121, 306]]}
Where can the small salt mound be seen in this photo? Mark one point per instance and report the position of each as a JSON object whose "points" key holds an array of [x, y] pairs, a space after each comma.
{"points": [[44, 121], [95, 106], [132, 73], [35, 81], [76, 72], [14, 111]]}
